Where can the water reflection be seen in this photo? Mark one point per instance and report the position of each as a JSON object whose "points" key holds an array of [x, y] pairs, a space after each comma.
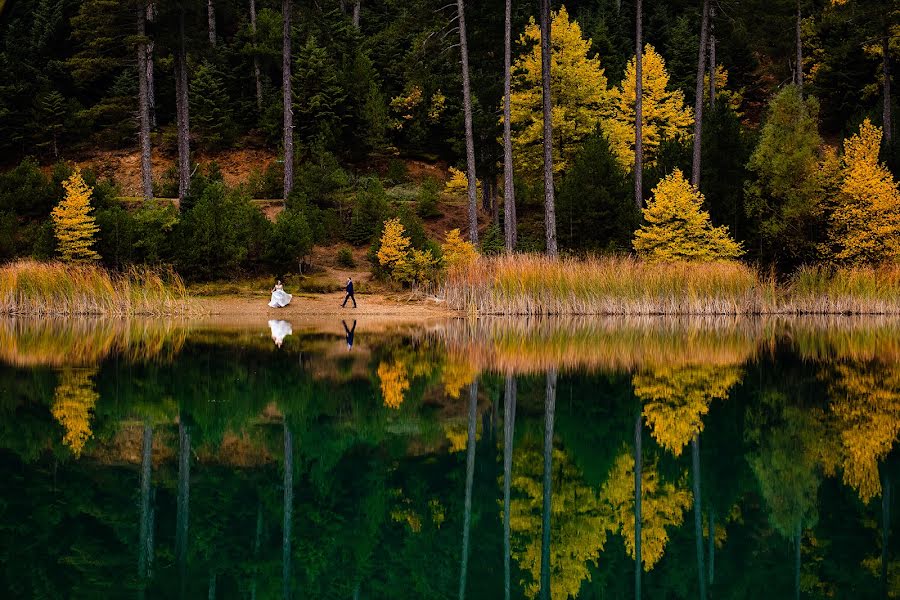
{"points": [[280, 330], [245, 470]]}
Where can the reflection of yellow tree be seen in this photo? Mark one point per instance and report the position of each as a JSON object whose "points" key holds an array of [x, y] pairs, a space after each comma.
{"points": [[393, 382], [677, 398], [866, 408], [73, 402], [458, 373], [578, 524], [662, 506]]}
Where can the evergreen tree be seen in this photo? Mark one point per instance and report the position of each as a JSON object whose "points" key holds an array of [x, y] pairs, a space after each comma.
{"points": [[210, 107], [74, 226], [291, 241], [318, 96]]}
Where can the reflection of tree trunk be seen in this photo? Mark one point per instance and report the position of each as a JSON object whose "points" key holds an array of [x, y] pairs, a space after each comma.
{"points": [[698, 515], [549, 199], [509, 196], [798, 540], [639, 109], [638, 517], [183, 502], [288, 510], [470, 475], [212, 586], [549, 413], [698, 100], [712, 548], [467, 119], [256, 544], [509, 423], [885, 530], [145, 545]]}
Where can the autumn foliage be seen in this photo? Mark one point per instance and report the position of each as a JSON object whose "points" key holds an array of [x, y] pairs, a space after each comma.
{"points": [[73, 224]]}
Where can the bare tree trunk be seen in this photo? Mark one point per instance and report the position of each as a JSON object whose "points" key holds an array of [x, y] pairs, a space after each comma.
{"points": [[356, 14], [151, 86], [638, 516], [698, 514], [288, 512], [549, 415], [145, 545], [698, 100], [509, 424], [639, 108], [887, 120], [549, 200], [182, 505], [211, 21], [288, 142], [182, 113], [256, 77], [509, 193], [799, 70], [470, 477], [467, 113], [144, 105], [712, 57]]}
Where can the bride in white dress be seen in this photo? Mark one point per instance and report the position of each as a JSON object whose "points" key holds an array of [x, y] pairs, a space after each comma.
{"points": [[280, 298]]}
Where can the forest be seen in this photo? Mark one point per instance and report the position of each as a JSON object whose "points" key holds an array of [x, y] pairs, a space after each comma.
{"points": [[765, 131]]}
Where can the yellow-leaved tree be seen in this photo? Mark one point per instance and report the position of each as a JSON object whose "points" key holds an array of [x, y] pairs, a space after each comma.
{"points": [[677, 228], [578, 89], [394, 246], [458, 184], [72, 221], [665, 114], [73, 403], [865, 225], [457, 251]]}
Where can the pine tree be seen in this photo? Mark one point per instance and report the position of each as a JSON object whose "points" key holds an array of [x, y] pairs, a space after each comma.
{"points": [[677, 228], [73, 404], [665, 115], [210, 107], [866, 222], [74, 226]]}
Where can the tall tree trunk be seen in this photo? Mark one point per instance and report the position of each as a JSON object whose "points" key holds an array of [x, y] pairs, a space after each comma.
{"points": [[145, 546], [639, 107], [211, 21], [151, 86], [885, 532], [549, 199], [509, 424], [638, 495], [182, 113], [144, 104], [698, 510], [356, 14], [182, 507], [712, 57], [467, 113], [470, 477], [799, 70], [549, 415], [256, 77], [698, 100], [288, 512], [509, 193], [287, 99], [887, 120]]}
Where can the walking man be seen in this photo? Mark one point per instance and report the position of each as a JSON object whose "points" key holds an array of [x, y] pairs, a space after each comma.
{"points": [[349, 295]]}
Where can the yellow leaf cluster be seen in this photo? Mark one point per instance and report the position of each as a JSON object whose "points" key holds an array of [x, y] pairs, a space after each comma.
{"points": [[665, 115], [677, 228], [733, 99], [394, 382], [73, 403], [394, 245], [458, 184], [866, 221], [457, 374], [578, 90], [74, 226], [406, 106], [457, 251]]}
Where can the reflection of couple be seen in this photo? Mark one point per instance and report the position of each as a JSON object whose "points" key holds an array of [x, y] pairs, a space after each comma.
{"points": [[282, 329]]}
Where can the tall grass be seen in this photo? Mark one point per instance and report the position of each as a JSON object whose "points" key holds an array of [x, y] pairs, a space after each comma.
{"points": [[37, 288], [537, 285]]}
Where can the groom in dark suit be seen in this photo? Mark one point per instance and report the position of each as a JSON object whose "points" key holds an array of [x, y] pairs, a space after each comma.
{"points": [[349, 295]]}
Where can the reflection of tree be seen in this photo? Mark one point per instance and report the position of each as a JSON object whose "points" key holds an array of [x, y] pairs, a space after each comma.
{"points": [[458, 372], [677, 398], [394, 383], [509, 421], [866, 408], [662, 507], [73, 403], [579, 521]]}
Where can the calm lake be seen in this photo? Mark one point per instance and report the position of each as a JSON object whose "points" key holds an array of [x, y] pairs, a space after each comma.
{"points": [[367, 459]]}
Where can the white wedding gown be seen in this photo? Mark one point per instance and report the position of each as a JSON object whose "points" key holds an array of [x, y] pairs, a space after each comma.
{"points": [[280, 298]]}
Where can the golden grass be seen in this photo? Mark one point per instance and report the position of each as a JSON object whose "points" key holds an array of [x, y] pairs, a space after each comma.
{"points": [[620, 285], [37, 288]]}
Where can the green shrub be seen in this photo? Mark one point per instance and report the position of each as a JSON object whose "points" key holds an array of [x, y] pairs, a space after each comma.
{"points": [[291, 241], [396, 172], [426, 205], [345, 258], [267, 183], [492, 241], [369, 212]]}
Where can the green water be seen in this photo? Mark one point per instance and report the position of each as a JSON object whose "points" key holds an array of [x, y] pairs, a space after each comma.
{"points": [[165, 460]]}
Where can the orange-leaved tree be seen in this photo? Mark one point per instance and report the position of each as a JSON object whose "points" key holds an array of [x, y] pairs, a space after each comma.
{"points": [[73, 224]]}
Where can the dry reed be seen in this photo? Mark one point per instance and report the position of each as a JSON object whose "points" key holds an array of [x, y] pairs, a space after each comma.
{"points": [[51, 288]]}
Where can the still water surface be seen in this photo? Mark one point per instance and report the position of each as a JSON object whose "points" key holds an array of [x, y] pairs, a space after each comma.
{"points": [[459, 459]]}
